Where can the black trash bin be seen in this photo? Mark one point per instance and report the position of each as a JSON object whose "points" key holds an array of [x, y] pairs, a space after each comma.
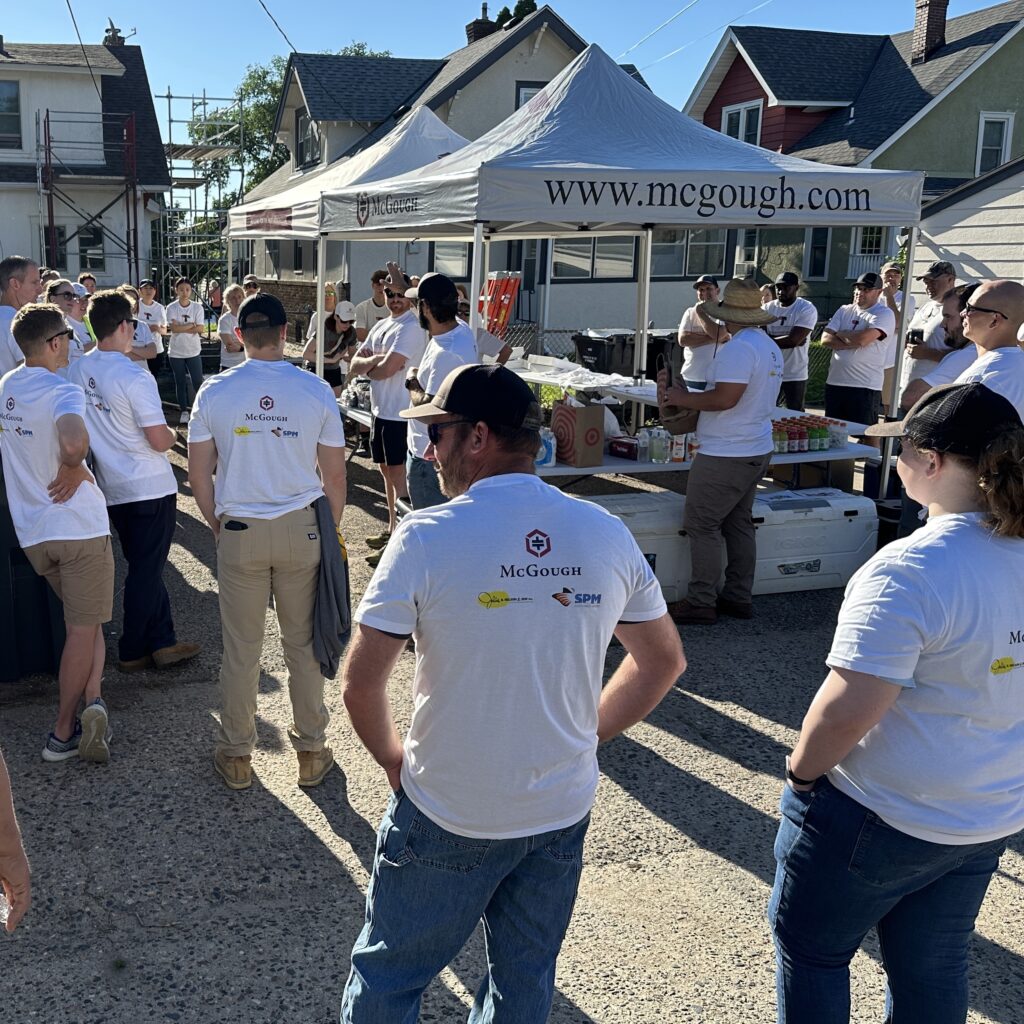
{"points": [[31, 617], [595, 354]]}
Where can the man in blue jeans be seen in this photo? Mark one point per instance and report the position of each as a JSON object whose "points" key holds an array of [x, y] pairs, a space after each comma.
{"points": [[512, 591]]}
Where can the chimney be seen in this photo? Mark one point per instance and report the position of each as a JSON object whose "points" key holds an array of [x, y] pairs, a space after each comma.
{"points": [[112, 36], [481, 27], [929, 29]]}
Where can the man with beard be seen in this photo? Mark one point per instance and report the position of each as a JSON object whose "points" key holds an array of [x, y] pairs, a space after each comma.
{"points": [[452, 344], [494, 785]]}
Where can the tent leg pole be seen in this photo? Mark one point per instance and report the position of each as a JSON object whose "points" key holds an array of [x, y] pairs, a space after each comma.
{"points": [[545, 314], [643, 316], [321, 312], [486, 313], [897, 370], [475, 275]]}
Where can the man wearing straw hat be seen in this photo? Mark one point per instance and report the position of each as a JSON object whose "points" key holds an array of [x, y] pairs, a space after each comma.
{"points": [[734, 434]]}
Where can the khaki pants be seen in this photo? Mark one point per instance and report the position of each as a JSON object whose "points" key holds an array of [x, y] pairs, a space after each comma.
{"points": [[280, 557], [719, 498]]}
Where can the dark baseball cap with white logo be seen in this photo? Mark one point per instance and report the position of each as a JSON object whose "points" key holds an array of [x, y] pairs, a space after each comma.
{"points": [[261, 310]]}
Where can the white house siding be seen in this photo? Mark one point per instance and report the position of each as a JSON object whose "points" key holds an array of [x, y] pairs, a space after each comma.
{"points": [[20, 231], [982, 235]]}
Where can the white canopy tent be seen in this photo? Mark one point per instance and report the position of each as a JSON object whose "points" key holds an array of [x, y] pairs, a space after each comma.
{"points": [[419, 138], [597, 152]]}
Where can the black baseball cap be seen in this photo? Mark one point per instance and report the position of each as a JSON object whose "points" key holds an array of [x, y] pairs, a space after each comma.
{"points": [[938, 269], [961, 419], [705, 279], [261, 310], [434, 287], [787, 278], [488, 393], [147, 281], [870, 280]]}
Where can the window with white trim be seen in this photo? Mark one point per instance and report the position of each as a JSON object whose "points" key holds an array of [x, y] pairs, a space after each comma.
{"points": [[307, 140], [668, 252], [274, 258], [90, 248], [677, 252], [10, 115], [601, 258], [705, 252], [452, 260], [525, 91], [868, 241], [57, 260], [746, 252], [743, 121], [995, 132], [816, 247]]}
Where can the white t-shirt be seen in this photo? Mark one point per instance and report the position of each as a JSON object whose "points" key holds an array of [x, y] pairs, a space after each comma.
{"points": [[10, 352], [226, 325], [368, 313], [512, 591], [121, 398], [861, 367], [184, 346], [1002, 370], [945, 762], [154, 314], [892, 341], [928, 319], [696, 360], [443, 353], [144, 336], [404, 335], [800, 314], [957, 362], [31, 401], [266, 419], [750, 358], [76, 346]]}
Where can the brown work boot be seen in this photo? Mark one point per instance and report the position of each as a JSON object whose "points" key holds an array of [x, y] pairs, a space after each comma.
{"points": [[735, 609], [235, 771], [135, 665], [176, 654], [314, 766], [686, 614]]}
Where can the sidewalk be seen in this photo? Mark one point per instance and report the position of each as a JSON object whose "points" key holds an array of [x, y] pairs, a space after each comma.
{"points": [[159, 895]]}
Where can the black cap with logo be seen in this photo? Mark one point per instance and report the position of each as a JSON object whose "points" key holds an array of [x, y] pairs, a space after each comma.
{"points": [[490, 394], [261, 310], [958, 418]]}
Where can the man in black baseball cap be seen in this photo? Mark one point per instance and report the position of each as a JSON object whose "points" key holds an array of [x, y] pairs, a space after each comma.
{"points": [[795, 319], [261, 310], [940, 268], [700, 335]]}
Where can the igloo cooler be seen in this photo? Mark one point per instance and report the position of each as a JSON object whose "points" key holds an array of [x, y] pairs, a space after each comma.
{"points": [[806, 540]]}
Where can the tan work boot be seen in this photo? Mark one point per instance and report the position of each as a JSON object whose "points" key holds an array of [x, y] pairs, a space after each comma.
{"points": [[235, 771], [314, 766], [174, 655], [135, 665]]}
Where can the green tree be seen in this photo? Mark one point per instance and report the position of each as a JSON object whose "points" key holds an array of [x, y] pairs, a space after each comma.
{"points": [[523, 8], [503, 18]]}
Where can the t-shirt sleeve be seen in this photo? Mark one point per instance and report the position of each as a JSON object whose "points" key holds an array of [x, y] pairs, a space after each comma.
{"points": [[332, 431], [734, 363], [398, 587], [951, 367], [888, 614], [143, 335], [408, 340], [836, 323], [445, 362], [807, 316], [363, 316], [225, 324], [881, 320], [68, 399], [199, 427], [145, 399], [646, 601], [687, 324]]}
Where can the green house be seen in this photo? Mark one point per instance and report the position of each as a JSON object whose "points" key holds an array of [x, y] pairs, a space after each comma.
{"points": [[943, 97]]}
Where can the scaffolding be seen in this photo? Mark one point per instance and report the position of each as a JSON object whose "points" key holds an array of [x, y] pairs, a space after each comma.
{"points": [[189, 240], [83, 149]]}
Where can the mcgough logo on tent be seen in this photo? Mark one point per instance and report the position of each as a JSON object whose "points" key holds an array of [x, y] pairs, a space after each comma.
{"points": [[368, 206]]}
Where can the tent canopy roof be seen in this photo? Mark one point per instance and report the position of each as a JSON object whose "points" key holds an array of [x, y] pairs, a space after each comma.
{"points": [[596, 148], [419, 138]]}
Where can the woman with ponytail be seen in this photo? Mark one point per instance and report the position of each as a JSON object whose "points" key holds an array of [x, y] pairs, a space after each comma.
{"points": [[908, 776]]}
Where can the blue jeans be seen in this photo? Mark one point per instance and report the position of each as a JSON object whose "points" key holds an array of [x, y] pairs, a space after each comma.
{"points": [[428, 890], [182, 370], [421, 476], [841, 871]]}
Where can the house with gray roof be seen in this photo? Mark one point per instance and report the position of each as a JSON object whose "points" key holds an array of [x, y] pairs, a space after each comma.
{"points": [[82, 164], [332, 107], [943, 97]]}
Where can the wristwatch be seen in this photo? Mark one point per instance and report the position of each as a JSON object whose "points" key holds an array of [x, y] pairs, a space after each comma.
{"points": [[795, 779]]}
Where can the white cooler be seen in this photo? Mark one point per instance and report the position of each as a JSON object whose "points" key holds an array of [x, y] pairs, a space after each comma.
{"points": [[806, 540]]}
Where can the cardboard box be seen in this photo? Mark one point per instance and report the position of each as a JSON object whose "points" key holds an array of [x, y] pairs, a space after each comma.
{"points": [[579, 432]]}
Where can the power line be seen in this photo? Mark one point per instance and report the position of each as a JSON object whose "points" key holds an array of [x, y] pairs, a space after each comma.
{"points": [[664, 24], [85, 53], [312, 72], [685, 46]]}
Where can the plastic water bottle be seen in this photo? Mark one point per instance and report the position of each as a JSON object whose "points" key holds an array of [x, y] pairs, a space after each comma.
{"points": [[660, 446], [643, 445]]}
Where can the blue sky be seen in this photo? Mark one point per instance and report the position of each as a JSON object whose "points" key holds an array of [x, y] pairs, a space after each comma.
{"points": [[193, 44]]}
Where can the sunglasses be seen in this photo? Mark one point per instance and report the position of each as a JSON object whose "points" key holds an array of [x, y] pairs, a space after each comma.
{"points": [[394, 295], [132, 321], [64, 295], [252, 287], [434, 429], [67, 332], [968, 309]]}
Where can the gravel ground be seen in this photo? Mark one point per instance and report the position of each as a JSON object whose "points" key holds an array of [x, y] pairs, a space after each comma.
{"points": [[162, 896]]}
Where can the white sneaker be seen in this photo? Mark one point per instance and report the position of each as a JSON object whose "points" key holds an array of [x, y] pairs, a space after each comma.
{"points": [[96, 733], [184, 417]]}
